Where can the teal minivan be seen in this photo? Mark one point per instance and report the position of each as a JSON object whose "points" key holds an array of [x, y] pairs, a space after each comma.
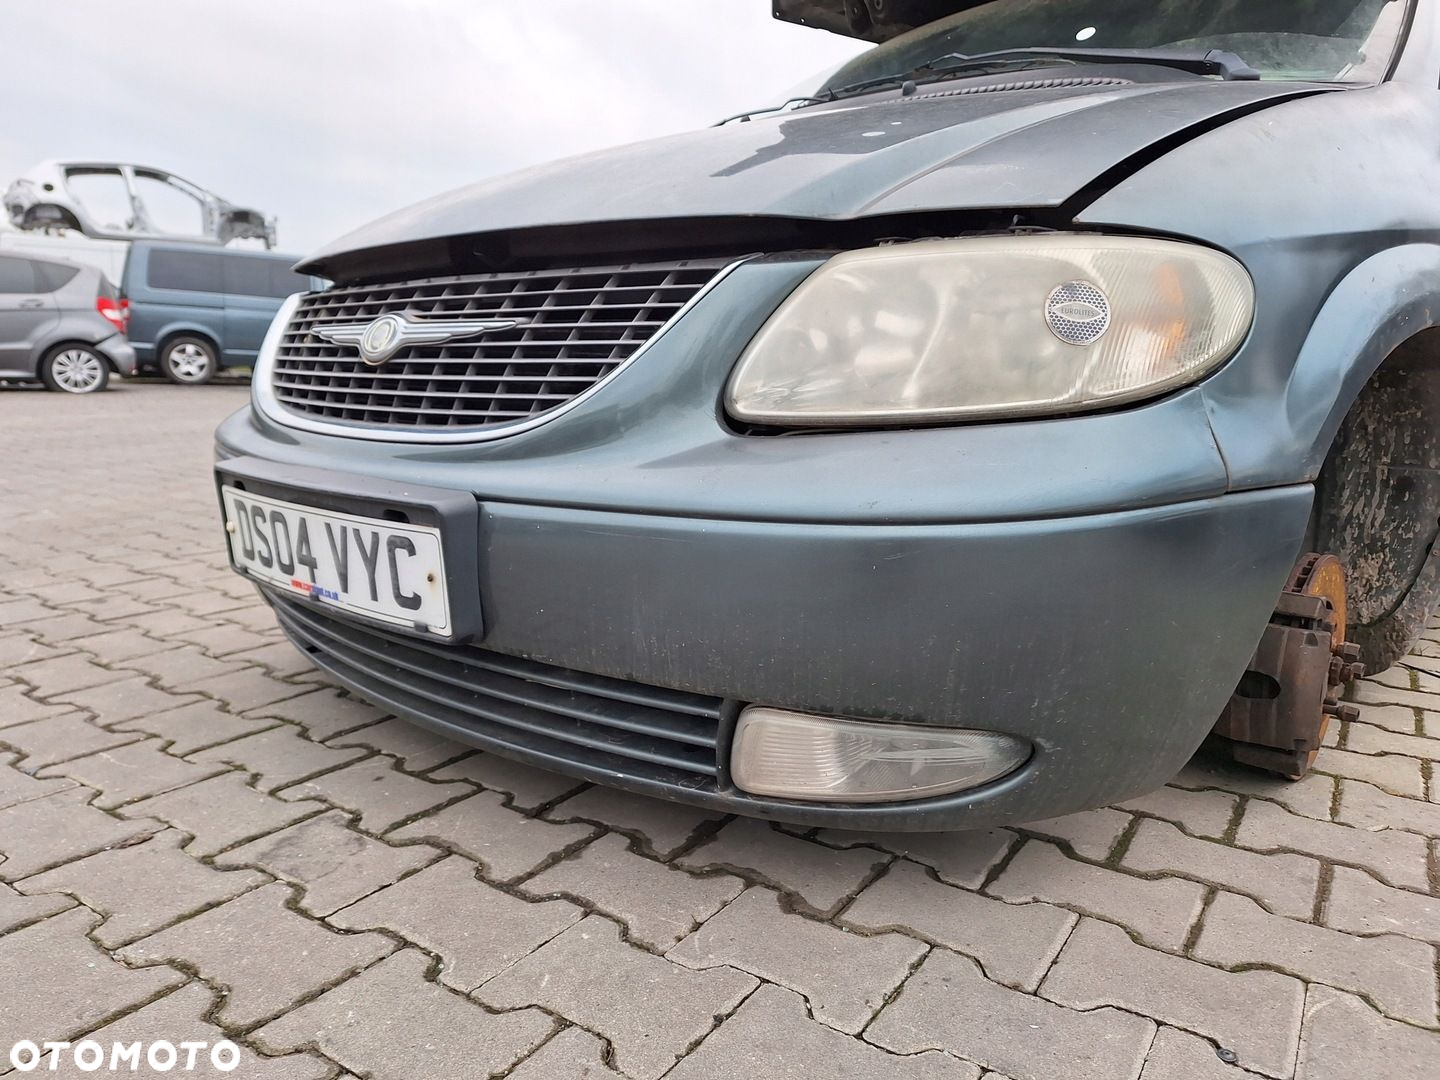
{"points": [[197, 308]]}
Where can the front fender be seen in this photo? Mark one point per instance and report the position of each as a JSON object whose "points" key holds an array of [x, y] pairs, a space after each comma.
{"points": [[1284, 437]]}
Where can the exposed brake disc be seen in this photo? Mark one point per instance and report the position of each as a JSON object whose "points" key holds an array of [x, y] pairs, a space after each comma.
{"points": [[1279, 714]]}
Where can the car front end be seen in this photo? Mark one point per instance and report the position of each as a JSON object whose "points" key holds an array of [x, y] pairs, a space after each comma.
{"points": [[861, 479]]}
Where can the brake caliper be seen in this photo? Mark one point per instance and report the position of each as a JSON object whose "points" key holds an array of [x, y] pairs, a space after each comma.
{"points": [[1279, 714]]}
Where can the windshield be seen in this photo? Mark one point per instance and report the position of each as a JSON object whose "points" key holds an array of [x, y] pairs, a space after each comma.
{"points": [[1313, 40]]}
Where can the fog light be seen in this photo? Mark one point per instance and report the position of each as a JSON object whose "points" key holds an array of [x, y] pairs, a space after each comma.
{"points": [[795, 756]]}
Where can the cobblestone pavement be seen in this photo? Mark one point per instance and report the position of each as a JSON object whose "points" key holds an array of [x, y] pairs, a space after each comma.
{"points": [[200, 838]]}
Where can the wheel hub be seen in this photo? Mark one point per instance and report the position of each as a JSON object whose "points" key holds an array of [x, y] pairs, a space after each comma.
{"points": [[1279, 714]]}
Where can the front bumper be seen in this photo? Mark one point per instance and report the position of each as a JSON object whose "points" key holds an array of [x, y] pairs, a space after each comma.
{"points": [[1085, 583], [1109, 641]]}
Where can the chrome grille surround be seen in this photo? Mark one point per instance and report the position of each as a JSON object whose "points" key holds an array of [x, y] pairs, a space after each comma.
{"points": [[580, 328]]}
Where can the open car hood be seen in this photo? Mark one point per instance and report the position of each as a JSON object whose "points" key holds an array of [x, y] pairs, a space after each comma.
{"points": [[954, 146]]}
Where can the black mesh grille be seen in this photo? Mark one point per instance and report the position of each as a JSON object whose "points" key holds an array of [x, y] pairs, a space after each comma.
{"points": [[579, 326]]}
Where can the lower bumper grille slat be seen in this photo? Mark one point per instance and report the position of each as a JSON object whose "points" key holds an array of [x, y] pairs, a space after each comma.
{"points": [[564, 716]]}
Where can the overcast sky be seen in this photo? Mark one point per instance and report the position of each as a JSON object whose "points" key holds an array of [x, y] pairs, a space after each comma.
{"points": [[329, 114]]}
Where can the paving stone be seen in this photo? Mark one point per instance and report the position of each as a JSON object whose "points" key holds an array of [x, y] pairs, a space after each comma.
{"points": [[417, 748], [1255, 1013], [168, 623], [1401, 718], [17, 787], [142, 887], [1398, 677], [112, 607], [483, 828], [1396, 857], [1345, 1039], [322, 713], [1361, 905], [958, 858], [664, 827], [17, 648], [224, 639], [820, 878], [1014, 943], [1367, 807], [476, 930], [127, 699], [1397, 973], [574, 1054], [845, 977], [15, 612], [16, 707], [772, 1027], [590, 976], [1178, 1055], [1310, 797], [379, 792], [181, 666], [1286, 884], [251, 946], [70, 986], [1370, 693], [118, 646], [66, 627], [194, 727], [45, 742], [334, 864], [221, 812], [658, 904], [42, 833], [1396, 774], [1365, 739], [389, 1023], [179, 1017], [1019, 1035], [1160, 911], [132, 771], [1201, 813], [1092, 834], [528, 788], [282, 659], [64, 674], [17, 910], [278, 757], [245, 690]]}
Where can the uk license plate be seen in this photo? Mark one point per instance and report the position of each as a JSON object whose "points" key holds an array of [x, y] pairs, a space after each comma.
{"points": [[389, 571]]}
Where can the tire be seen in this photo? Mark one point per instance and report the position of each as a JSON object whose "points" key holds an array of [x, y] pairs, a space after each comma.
{"points": [[1377, 504], [75, 369], [188, 360]]}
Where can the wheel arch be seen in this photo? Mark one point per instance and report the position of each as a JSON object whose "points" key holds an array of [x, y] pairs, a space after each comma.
{"points": [[1378, 312], [170, 333], [1376, 458]]}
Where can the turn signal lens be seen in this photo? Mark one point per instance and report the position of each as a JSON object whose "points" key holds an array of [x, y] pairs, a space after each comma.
{"points": [[792, 755]]}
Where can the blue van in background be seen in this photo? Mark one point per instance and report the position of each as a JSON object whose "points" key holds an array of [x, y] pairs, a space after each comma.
{"points": [[197, 308]]}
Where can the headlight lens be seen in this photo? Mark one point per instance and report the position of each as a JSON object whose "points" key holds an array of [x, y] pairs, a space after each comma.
{"points": [[992, 327]]}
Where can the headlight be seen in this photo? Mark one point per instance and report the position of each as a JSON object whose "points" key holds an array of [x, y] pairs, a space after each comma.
{"points": [[992, 327]]}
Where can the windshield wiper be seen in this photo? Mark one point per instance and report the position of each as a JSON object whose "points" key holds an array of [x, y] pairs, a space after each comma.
{"points": [[1212, 62]]}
